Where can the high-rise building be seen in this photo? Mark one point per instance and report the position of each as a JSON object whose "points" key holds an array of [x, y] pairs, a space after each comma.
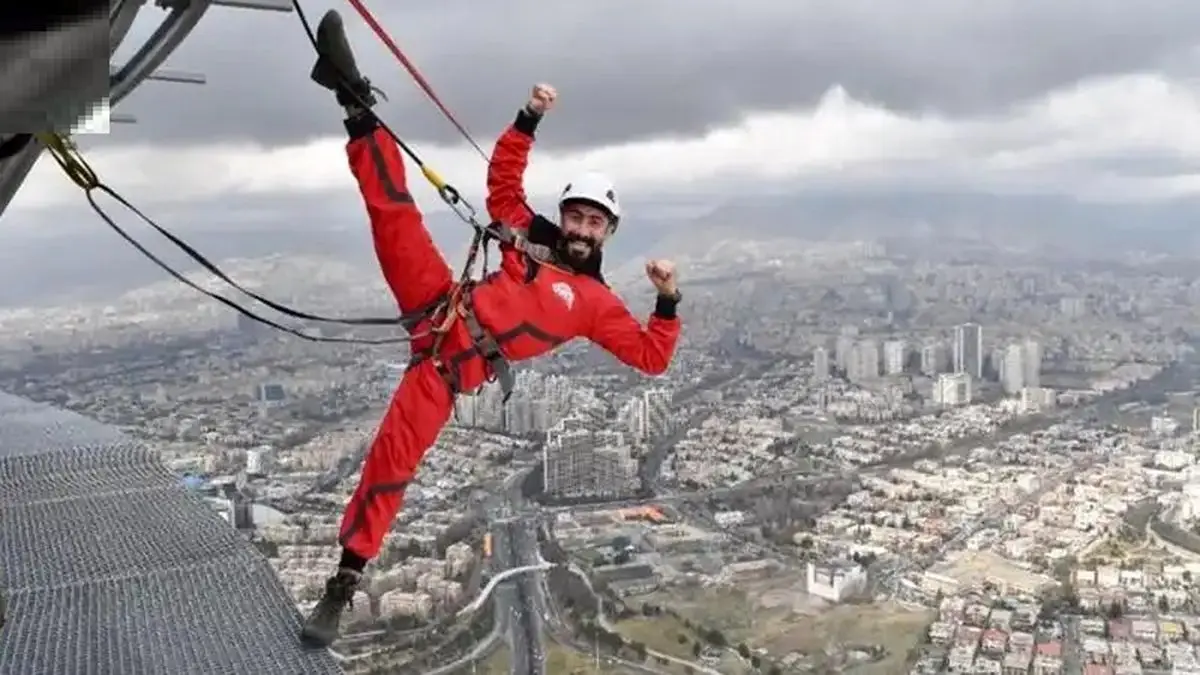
{"points": [[518, 418], [820, 364], [996, 358], [1012, 369], [895, 353], [843, 353], [968, 350], [1032, 360], [865, 362], [933, 359]]}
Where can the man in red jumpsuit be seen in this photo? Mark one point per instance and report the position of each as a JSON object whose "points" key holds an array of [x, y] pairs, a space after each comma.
{"points": [[522, 311]]}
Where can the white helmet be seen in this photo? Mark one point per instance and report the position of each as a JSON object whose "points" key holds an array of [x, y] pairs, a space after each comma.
{"points": [[596, 189]]}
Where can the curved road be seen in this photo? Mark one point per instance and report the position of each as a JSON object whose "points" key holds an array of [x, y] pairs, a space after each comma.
{"points": [[498, 579]]}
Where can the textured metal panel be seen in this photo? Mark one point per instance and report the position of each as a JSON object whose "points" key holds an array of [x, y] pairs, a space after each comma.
{"points": [[217, 618], [80, 473], [73, 540], [112, 568]]}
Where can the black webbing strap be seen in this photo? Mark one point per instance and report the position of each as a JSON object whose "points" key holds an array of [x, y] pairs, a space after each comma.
{"points": [[488, 347], [504, 234]]}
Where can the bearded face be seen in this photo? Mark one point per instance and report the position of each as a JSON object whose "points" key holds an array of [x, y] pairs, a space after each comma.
{"points": [[585, 227]]}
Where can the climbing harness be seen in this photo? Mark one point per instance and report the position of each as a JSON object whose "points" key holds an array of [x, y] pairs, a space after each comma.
{"points": [[483, 344]]}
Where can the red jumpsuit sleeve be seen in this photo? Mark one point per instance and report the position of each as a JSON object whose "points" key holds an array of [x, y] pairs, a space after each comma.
{"points": [[506, 173], [648, 349]]}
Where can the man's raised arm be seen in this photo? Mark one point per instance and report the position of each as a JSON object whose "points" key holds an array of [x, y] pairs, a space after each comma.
{"points": [[506, 200], [648, 349]]}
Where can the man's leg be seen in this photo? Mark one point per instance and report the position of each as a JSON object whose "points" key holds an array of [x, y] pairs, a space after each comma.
{"points": [[411, 263], [419, 409]]}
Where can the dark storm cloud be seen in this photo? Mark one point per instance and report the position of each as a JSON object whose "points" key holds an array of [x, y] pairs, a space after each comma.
{"points": [[631, 69]]}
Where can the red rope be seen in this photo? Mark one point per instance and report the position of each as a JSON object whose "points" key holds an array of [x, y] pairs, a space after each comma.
{"points": [[415, 73]]}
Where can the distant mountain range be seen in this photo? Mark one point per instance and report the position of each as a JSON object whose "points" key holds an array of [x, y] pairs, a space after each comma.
{"points": [[88, 262]]}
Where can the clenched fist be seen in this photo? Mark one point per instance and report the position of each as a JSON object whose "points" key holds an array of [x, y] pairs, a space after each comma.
{"points": [[662, 274], [541, 101]]}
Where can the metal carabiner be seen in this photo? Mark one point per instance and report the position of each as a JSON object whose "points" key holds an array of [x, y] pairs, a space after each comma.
{"points": [[460, 206]]}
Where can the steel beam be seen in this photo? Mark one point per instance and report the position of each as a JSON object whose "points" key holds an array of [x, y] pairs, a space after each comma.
{"points": [[171, 75], [269, 5], [177, 76]]}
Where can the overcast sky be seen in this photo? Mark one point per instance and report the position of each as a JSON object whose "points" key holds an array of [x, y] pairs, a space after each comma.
{"points": [[1094, 98]]}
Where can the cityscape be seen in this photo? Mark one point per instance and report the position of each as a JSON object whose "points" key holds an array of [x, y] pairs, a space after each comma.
{"points": [[934, 407], [918, 459]]}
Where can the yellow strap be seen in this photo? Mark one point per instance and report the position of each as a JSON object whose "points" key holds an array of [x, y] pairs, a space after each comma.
{"points": [[433, 177], [64, 152]]}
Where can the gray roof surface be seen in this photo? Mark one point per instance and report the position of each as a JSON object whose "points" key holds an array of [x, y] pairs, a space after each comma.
{"points": [[112, 568]]}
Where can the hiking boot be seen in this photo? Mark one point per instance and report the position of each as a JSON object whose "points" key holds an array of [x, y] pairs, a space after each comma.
{"points": [[322, 626], [336, 68]]}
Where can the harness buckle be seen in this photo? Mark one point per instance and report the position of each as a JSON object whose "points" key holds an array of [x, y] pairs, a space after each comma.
{"points": [[483, 345]]}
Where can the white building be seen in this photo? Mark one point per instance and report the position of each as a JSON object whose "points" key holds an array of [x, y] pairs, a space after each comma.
{"points": [[952, 389], [895, 353], [1012, 369], [843, 352], [836, 582], [820, 364], [1038, 398], [1032, 358], [255, 462], [729, 518], [865, 362]]}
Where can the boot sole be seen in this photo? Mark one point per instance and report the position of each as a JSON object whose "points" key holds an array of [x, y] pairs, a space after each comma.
{"points": [[335, 61], [315, 641]]}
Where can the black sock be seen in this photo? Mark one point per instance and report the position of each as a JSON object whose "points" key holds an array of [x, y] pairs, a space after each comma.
{"points": [[361, 124], [352, 561]]}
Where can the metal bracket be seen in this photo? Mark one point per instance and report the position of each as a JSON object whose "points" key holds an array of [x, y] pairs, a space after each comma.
{"points": [[182, 18]]}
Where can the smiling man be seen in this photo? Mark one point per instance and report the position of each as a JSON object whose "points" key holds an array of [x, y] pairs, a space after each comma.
{"points": [[534, 303]]}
